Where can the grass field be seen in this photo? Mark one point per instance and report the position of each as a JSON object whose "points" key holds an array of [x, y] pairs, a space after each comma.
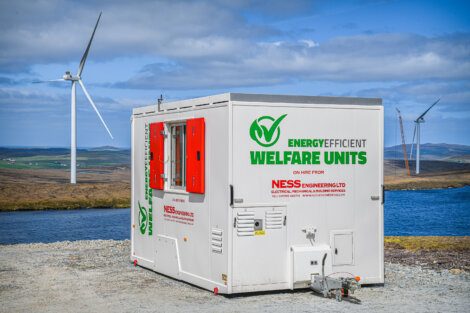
{"points": [[429, 243], [37, 189], [434, 174], [430, 252]]}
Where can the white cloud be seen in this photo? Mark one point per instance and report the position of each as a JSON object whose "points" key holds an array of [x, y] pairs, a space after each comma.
{"points": [[413, 98], [211, 44], [378, 57], [309, 43], [57, 31]]}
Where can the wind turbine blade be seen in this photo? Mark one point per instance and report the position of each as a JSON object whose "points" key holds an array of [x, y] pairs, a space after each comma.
{"points": [[94, 107], [412, 142], [48, 81], [85, 55], [422, 115]]}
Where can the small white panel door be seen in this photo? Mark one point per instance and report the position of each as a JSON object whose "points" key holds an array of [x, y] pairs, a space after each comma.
{"points": [[343, 248]]}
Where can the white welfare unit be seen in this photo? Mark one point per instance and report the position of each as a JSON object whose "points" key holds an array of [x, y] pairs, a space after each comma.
{"points": [[244, 192]]}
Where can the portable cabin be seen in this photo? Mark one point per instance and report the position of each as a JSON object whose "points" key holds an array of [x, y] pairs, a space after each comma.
{"points": [[247, 192]]}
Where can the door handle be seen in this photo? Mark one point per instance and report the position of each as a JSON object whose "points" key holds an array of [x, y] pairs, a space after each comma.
{"points": [[231, 195], [383, 194]]}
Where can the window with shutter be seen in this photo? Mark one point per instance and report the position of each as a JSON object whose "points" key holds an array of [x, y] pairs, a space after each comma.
{"points": [[177, 155]]}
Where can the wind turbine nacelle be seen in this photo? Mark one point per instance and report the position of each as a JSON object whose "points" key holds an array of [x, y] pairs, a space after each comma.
{"points": [[67, 76]]}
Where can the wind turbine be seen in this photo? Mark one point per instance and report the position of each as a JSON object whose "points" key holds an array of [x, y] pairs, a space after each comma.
{"points": [[403, 142], [417, 134], [74, 79]]}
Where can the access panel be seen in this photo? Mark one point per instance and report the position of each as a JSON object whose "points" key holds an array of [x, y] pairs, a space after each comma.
{"points": [[343, 248], [260, 249]]}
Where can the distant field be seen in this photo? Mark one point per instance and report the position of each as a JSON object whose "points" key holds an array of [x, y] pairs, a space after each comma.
{"points": [[433, 174], [37, 189], [59, 158]]}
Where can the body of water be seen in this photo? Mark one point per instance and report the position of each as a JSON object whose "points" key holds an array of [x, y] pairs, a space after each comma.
{"points": [[61, 225], [439, 212]]}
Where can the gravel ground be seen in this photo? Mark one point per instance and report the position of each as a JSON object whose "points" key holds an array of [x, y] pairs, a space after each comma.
{"points": [[97, 276]]}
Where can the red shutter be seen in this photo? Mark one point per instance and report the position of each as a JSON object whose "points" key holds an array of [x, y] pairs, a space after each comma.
{"points": [[195, 159], [157, 139]]}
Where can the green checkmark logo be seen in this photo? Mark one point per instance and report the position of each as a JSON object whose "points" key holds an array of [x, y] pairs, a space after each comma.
{"points": [[265, 130], [142, 218]]}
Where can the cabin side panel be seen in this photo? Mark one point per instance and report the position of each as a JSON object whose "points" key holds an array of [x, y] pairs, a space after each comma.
{"points": [[142, 206], [189, 231], [323, 163]]}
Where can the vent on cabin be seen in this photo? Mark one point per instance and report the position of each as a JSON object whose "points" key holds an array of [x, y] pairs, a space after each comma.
{"points": [[274, 219], [216, 240], [245, 223]]}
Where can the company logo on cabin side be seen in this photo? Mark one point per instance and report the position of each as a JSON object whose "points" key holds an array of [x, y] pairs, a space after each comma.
{"points": [[143, 220], [265, 130]]}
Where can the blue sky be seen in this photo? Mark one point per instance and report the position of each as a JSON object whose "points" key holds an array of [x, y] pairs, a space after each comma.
{"points": [[407, 52]]}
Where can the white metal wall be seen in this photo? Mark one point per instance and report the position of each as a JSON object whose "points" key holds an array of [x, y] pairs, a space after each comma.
{"points": [[195, 261], [355, 212]]}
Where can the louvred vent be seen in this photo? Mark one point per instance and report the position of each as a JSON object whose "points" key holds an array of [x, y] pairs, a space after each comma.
{"points": [[157, 139], [195, 142]]}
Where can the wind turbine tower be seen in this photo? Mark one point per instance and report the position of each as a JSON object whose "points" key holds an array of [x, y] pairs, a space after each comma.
{"points": [[74, 79], [403, 143], [417, 134]]}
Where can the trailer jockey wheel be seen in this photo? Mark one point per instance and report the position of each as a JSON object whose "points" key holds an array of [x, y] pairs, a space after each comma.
{"points": [[339, 298]]}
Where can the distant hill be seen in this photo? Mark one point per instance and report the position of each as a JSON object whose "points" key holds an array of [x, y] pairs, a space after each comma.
{"points": [[49, 158], [106, 148], [433, 151], [25, 152]]}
